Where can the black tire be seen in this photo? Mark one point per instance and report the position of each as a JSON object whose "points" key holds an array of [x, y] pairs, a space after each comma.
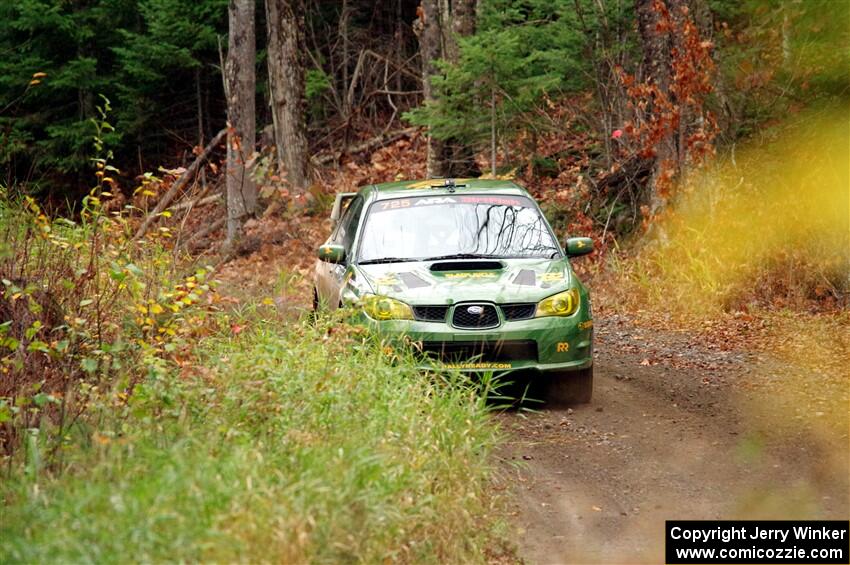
{"points": [[570, 387]]}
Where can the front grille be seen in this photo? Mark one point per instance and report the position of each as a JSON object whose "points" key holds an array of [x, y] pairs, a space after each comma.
{"points": [[430, 313], [519, 311], [486, 317], [482, 351]]}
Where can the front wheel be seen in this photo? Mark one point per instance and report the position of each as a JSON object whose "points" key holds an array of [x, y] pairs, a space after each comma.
{"points": [[570, 387]]}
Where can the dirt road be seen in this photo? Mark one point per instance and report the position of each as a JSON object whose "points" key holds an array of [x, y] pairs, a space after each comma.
{"points": [[693, 433]]}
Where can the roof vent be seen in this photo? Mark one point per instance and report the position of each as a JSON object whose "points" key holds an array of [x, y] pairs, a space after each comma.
{"points": [[449, 184]]}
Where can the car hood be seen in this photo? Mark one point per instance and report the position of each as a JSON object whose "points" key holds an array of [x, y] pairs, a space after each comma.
{"points": [[449, 282]]}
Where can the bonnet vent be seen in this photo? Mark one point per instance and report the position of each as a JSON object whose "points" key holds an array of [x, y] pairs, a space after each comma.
{"points": [[444, 266]]}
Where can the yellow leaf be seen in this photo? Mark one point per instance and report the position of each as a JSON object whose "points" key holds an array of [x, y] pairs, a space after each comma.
{"points": [[156, 309]]}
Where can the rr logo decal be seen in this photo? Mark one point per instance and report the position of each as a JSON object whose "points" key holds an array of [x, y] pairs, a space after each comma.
{"points": [[562, 347]]}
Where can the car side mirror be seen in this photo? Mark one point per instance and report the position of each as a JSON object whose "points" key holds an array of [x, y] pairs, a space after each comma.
{"points": [[331, 253], [577, 246]]}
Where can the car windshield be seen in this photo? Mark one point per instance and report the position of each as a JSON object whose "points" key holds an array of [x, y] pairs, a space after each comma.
{"points": [[446, 226]]}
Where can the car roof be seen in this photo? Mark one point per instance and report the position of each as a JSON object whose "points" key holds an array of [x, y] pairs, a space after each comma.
{"points": [[438, 186]]}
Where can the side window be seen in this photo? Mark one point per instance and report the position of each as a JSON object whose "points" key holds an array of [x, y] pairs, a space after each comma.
{"points": [[348, 224]]}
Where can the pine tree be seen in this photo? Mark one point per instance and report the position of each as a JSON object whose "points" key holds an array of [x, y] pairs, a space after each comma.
{"points": [[503, 71], [56, 61]]}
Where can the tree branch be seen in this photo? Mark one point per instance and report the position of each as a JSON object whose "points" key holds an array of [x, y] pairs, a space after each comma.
{"points": [[169, 196]]}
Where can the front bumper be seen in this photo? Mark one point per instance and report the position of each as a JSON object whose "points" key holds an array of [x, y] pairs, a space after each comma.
{"points": [[562, 343]]}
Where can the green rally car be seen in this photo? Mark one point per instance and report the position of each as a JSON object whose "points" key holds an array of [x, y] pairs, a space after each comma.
{"points": [[470, 271]]}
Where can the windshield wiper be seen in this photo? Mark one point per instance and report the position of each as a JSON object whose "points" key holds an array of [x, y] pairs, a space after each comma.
{"points": [[458, 256], [386, 260]]}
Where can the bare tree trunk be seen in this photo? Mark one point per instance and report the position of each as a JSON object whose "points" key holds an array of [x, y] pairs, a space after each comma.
{"points": [[288, 97], [438, 28], [241, 87], [658, 46], [462, 18], [459, 22], [427, 27], [344, 18], [493, 130]]}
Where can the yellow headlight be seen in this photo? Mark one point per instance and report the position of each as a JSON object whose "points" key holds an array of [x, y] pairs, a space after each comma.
{"points": [[562, 304], [386, 308]]}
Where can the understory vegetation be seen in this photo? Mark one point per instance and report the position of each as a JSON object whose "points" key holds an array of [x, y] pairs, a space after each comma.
{"points": [[145, 414], [263, 441]]}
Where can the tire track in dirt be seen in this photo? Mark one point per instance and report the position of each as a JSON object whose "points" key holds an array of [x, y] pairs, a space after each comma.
{"points": [[595, 483]]}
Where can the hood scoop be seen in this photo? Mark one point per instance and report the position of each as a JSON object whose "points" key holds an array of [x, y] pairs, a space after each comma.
{"points": [[443, 266]]}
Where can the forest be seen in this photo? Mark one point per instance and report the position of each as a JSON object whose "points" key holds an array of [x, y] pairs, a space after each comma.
{"points": [[167, 173]]}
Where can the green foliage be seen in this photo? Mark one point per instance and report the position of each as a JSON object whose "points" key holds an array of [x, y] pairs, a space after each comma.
{"points": [[163, 63], [44, 119], [282, 445], [148, 56], [317, 82], [520, 54]]}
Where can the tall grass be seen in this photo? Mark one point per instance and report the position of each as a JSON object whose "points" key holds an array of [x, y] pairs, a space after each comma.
{"points": [[281, 445]]}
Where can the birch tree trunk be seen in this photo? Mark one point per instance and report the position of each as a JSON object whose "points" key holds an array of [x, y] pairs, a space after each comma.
{"points": [[286, 47], [240, 82]]}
